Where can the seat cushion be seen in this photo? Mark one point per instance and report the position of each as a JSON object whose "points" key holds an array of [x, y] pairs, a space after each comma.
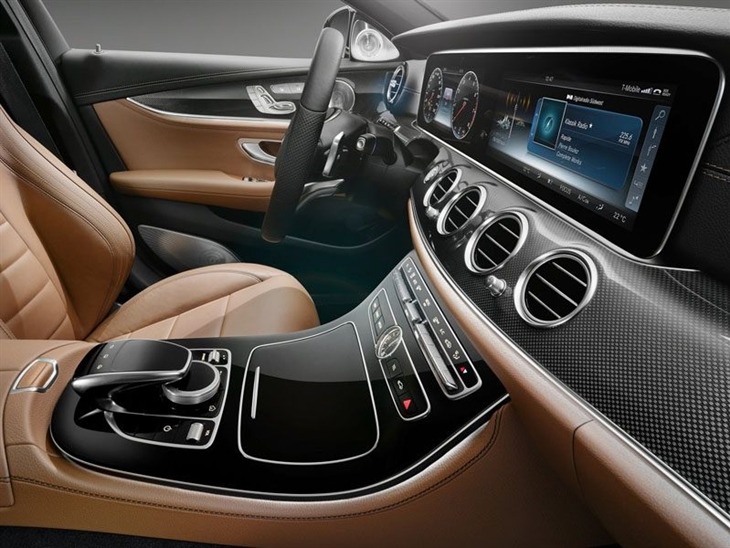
{"points": [[215, 301]]}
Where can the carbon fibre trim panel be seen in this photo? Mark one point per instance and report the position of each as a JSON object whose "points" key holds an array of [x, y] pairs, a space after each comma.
{"points": [[651, 351]]}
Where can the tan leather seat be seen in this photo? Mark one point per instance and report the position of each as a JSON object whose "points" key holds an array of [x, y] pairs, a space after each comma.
{"points": [[65, 255]]}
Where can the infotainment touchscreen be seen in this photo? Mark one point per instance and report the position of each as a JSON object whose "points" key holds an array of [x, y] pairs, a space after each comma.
{"points": [[609, 137], [594, 142]]}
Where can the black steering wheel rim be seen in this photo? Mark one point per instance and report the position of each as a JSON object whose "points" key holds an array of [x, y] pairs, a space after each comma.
{"points": [[296, 156]]}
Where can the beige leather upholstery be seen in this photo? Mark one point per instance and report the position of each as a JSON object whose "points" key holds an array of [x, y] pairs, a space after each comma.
{"points": [[195, 185], [65, 254], [155, 140], [216, 301]]}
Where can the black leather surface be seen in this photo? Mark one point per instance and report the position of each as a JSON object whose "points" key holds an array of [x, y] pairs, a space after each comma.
{"points": [[112, 74], [92, 77]]}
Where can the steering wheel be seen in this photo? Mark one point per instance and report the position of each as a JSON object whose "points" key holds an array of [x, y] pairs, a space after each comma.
{"points": [[295, 158]]}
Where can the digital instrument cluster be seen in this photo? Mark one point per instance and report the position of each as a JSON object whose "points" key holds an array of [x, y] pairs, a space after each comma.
{"points": [[609, 137]]}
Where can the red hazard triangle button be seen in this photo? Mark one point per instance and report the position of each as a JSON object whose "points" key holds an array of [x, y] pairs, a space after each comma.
{"points": [[407, 403]]}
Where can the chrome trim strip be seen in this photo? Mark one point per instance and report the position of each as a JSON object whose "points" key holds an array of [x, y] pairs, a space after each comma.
{"points": [[603, 49], [643, 452], [265, 121], [370, 389], [40, 389], [298, 496], [252, 149], [97, 380], [519, 293], [470, 247], [255, 397]]}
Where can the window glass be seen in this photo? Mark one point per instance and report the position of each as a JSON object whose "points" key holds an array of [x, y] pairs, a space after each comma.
{"points": [[276, 28]]}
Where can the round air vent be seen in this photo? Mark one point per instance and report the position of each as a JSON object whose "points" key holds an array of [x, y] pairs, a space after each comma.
{"points": [[495, 242], [442, 187], [396, 84], [555, 287], [461, 209]]}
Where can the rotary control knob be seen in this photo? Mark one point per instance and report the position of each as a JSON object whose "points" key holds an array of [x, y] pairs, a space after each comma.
{"points": [[199, 385]]}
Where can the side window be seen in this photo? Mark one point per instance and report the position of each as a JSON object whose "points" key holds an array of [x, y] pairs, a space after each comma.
{"points": [[271, 28]]}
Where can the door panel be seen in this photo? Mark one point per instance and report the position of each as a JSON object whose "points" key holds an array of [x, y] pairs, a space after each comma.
{"points": [[171, 130], [148, 140]]}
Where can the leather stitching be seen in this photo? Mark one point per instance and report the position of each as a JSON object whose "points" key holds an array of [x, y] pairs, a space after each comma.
{"points": [[718, 176], [6, 330], [725, 169], [497, 418], [167, 281], [117, 259]]}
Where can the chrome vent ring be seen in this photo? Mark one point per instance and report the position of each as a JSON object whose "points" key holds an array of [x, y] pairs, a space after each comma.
{"points": [[461, 209], [438, 191], [495, 242], [555, 287]]}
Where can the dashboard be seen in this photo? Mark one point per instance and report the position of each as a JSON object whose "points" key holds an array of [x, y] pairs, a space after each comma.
{"points": [[608, 136], [546, 216]]}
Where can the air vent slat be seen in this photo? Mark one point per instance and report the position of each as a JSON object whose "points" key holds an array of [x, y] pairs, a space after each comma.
{"points": [[546, 307], [461, 209], [555, 287], [487, 257], [495, 242], [581, 282], [504, 227], [551, 286]]}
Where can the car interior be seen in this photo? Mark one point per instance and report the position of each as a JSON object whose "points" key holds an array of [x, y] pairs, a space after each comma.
{"points": [[448, 282]]}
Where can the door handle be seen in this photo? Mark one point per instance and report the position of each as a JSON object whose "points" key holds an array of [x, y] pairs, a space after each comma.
{"points": [[252, 149]]}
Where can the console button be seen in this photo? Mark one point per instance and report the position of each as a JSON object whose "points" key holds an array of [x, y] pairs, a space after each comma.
{"points": [[195, 432], [467, 374], [375, 305], [379, 325], [407, 406], [399, 386], [155, 428], [392, 368], [377, 314]]}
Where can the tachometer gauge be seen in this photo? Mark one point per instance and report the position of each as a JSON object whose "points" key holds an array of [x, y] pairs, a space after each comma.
{"points": [[433, 94], [465, 105]]}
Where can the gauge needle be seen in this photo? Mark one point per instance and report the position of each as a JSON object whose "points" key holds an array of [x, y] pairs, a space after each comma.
{"points": [[463, 105]]}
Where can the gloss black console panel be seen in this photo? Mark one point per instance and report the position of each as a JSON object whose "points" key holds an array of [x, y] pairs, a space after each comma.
{"points": [[325, 419]]}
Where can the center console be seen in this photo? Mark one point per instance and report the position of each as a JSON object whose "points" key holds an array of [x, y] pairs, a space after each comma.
{"points": [[347, 408]]}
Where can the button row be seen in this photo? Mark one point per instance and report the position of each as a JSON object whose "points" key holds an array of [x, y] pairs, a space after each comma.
{"points": [[408, 394], [454, 370], [166, 430]]}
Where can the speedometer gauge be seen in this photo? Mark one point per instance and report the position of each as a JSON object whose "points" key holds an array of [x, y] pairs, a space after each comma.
{"points": [[465, 105], [433, 94]]}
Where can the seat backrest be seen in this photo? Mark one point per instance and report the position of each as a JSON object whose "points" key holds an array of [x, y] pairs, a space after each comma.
{"points": [[64, 252]]}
